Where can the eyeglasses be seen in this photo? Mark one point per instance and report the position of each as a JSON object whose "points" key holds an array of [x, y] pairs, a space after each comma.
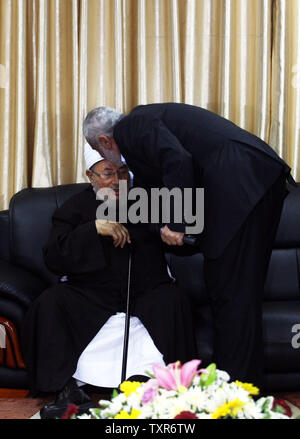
{"points": [[122, 173]]}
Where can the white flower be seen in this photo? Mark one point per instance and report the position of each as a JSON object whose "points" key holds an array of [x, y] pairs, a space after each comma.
{"points": [[222, 376], [147, 410], [84, 416], [266, 403], [250, 411], [204, 415], [215, 400], [134, 400], [116, 406], [277, 415], [233, 391], [201, 400]]}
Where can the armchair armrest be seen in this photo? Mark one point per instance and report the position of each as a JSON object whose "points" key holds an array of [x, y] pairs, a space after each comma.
{"points": [[18, 284]]}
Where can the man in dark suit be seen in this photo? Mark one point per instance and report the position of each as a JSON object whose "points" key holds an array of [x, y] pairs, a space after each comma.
{"points": [[244, 180]]}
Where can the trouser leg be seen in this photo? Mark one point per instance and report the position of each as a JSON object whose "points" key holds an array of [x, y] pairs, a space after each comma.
{"points": [[57, 327], [167, 314], [235, 282]]}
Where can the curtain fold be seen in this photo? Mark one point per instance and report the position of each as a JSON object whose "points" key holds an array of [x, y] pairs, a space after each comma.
{"points": [[285, 103], [61, 58]]}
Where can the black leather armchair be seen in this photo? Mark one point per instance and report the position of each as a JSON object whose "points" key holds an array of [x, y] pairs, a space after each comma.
{"points": [[24, 229]]}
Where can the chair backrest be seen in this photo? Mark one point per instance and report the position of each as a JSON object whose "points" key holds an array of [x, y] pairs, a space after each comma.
{"points": [[30, 215], [283, 278], [4, 235]]}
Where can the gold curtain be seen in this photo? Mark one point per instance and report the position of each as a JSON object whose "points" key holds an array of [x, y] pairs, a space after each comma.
{"points": [[61, 58]]}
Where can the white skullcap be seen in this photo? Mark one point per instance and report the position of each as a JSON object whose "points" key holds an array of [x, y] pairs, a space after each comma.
{"points": [[91, 156]]}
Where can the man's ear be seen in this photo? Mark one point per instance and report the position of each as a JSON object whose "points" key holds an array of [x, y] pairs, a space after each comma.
{"points": [[89, 174], [105, 141]]}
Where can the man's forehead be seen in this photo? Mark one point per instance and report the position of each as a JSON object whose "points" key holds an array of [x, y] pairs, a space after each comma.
{"points": [[105, 164]]}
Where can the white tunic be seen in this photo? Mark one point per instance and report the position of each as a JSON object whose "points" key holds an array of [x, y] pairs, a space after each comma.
{"points": [[100, 364]]}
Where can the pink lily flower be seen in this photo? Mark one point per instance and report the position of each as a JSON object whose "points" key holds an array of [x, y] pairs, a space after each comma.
{"points": [[188, 371], [150, 391], [164, 377], [175, 375]]}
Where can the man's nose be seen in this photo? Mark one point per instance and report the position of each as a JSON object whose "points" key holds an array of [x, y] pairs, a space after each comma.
{"points": [[116, 178]]}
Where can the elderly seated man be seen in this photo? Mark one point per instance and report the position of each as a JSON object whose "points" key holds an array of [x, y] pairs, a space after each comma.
{"points": [[73, 332]]}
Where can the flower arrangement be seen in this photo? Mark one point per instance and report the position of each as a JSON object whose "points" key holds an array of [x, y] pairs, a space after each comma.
{"points": [[184, 392]]}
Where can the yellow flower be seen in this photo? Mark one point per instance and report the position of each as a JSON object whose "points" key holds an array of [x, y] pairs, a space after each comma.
{"points": [[125, 415], [122, 415], [129, 387], [252, 390], [229, 408], [181, 389]]}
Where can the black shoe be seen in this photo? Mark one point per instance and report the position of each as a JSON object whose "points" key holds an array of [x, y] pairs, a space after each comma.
{"points": [[139, 378], [70, 394]]}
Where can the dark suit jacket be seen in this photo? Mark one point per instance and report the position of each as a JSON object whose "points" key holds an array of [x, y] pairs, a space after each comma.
{"points": [[180, 145]]}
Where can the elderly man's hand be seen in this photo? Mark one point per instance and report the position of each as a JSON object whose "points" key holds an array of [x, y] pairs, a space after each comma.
{"points": [[171, 238], [117, 231]]}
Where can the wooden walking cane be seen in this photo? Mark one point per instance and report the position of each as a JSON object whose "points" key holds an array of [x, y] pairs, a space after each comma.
{"points": [[127, 322]]}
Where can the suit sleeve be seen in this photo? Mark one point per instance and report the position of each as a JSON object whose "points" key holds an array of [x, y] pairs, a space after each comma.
{"points": [[150, 143], [73, 247]]}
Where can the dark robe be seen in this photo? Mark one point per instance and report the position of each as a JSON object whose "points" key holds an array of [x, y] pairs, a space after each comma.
{"points": [[180, 145], [62, 321]]}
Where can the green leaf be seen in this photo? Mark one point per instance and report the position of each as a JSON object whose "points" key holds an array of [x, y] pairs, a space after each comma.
{"points": [[210, 379], [206, 379], [110, 415], [212, 367], [266, 405], [104, 404], [96, 412], [114, 394], [150, 374], [279, 409]]}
